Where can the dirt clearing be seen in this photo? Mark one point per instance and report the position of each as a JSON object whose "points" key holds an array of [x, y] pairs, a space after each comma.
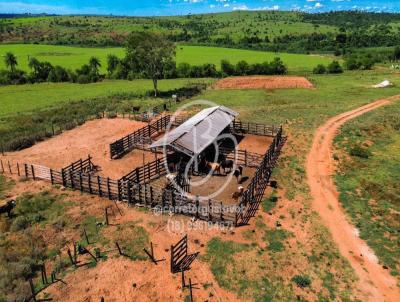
{"points": [[263, 82], [91, 138]]}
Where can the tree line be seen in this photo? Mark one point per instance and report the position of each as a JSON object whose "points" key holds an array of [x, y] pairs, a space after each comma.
{"points": [[148, 56], [46, 72]]}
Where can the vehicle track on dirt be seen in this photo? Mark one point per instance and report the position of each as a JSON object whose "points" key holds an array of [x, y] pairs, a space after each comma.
{"points": [[375, 283]]}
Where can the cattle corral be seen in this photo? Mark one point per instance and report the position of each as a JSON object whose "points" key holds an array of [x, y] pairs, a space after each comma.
{"points": [[137, 173]]}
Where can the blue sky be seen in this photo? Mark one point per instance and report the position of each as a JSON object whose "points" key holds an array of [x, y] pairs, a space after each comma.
{"points": [[179, 7]]}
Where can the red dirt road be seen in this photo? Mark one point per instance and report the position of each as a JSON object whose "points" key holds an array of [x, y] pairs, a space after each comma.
{"points": [[375, 283]]}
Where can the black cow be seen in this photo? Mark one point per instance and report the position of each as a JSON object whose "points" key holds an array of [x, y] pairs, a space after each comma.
{"points": [[8, 207], [238, 174], [227, 164]]}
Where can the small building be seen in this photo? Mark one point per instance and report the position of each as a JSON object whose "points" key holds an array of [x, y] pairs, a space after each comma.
{"points": [[199, 132]]}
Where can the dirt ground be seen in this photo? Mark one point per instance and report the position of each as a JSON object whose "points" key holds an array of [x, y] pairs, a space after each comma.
{"points": [[91, 138], [376, 282], [218, 181], [255, 144], [263, 82]]}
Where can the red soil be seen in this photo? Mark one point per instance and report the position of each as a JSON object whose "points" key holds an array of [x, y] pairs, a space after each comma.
{"points": [[263, 82], [91, 138], [375, 282]]}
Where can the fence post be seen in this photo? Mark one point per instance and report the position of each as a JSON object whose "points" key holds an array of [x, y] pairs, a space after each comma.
{"points": [[2, 167], [129, 192], [108, 187], [51, 177], [209, 210], [72, 179], [90, 184], [197, 207], [26, 171], [99, 186], [119, 190], [245, 157], [64, 181], [19, 173], [33, 172], [81, 181], [9, 167]]}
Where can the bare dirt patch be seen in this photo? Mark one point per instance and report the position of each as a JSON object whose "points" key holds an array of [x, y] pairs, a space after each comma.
{"points": [[255, 143], [263, 82], [91, 138]]}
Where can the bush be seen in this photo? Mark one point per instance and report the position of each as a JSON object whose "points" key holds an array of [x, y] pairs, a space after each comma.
{"points": [[302, 281], [227, 67], [361, 152], [83, 79], [19, 223], [354, 62], [242, 68], [335, 68], [183, 70], [111, 114], [319, 69]]}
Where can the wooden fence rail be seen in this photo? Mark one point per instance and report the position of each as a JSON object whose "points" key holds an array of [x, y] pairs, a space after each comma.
{"points": [[138, 138]]}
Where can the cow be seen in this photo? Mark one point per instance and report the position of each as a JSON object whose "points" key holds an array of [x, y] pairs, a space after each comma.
{"points": [[214, 167], [8, 207], [238, 173], [227, 164], [238, 193]]}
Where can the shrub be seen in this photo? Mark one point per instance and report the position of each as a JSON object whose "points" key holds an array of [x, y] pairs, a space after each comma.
{"points": [[335, 68], [242, 68], [302, 281], [183, 70], [83, 79], [319, 69], [361, 152], [19, 223], [111, 114], [227, 67]]}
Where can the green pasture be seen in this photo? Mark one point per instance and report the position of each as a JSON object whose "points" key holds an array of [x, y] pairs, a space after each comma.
{"points": [[368, 150], [25, 98], [74, 57]]}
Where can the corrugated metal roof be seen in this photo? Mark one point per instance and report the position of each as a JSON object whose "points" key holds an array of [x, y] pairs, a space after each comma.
{"points": [[197, 133]]}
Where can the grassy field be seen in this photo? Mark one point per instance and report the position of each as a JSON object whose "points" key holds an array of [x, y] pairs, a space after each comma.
{"points": [[368, 149], [236, 25], [301, 112], [272, 262], [24, 98], [75, 57]]}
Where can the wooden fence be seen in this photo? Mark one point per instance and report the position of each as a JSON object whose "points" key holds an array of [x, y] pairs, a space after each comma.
{"points": [[148, 172], [134, 188], [240, 127], [244, 157], [138, 138], [254, 193]]}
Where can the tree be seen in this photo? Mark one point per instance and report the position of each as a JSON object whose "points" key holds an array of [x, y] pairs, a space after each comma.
{"points": [[396, 53], [11, 61], [335, 67], [320, 69], [227, 67], [34, 64], [151, 53], [112, 63], [94, 64]]}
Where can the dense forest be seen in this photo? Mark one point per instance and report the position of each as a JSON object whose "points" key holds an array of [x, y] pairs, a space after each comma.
{"points": [[275, 31]]}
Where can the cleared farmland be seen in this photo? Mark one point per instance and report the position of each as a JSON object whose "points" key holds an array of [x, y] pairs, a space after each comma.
{"points": [[75, 57]]}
